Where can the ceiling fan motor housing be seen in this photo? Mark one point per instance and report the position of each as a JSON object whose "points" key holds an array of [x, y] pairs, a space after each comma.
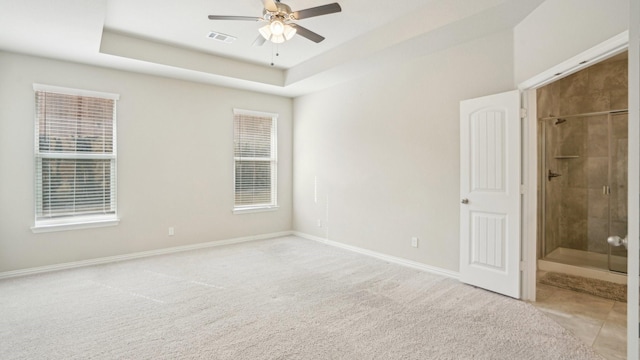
{"points": [[283, 13]]}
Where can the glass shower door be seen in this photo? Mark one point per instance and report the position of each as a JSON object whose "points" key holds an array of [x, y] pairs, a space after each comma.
{"points": [[618, 189]]}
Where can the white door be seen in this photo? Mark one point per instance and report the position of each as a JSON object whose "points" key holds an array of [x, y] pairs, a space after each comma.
{"points": [[490, 193]]}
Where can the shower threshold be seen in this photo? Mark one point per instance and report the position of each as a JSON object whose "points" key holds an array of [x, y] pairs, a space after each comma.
{"points": [[582, 263]]}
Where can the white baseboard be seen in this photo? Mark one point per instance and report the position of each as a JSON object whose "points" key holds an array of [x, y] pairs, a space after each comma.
{"points": [[385, 257], [137, 255], [171, 250]]}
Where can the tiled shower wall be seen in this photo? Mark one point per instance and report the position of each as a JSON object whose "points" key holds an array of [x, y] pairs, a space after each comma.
{"points": [[577, 215]]}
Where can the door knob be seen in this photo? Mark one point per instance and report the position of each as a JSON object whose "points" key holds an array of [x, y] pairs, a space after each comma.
{"points": [[465, 201]]}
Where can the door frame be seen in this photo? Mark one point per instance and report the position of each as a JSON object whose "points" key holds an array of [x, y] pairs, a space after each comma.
{"points": [[530, 176]]}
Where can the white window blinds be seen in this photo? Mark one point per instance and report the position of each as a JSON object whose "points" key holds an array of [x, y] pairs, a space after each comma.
{"points": [[75, 150], [255, 159]]}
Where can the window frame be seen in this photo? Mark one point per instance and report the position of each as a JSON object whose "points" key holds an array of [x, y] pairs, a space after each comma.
{"points": [[77, 221], [273, 205]]}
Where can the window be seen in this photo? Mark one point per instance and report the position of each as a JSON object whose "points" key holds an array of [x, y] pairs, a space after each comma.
{"points": [[255, 160], [75, 158]]}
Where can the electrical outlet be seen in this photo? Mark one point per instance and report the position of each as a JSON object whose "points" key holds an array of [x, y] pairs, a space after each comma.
{"points": [[172, 231], [414, 242], [319, 223]]}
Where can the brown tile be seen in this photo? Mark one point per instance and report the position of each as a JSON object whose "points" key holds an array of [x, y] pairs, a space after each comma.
{"points": [[619, 99], [611, 341], [543, 291], [597, 74], [547, 102], [574, 203], [598, 322], [608, 76], [583, 328], [573, 234], [616, 75], [597, 172], [618, 314], [586, 103], [581, 314], [598, 231], [576, 172], [572, 85], [571, 138], [598, 136], [578, 304], [598, 204], [620, 126]]}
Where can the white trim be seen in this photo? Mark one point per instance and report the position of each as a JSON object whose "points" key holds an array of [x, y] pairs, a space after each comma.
{"points": [[613, 46], [529, 222], [138, 255], [384, 257], [237, 111], [74, 223], [77, 92], [255, 209]]}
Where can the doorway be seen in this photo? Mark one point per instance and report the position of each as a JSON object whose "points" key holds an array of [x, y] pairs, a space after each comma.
{"points": [[582, 147]]}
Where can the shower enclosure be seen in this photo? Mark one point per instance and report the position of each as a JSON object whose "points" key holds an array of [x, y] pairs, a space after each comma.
{"points": [[584, 189]]}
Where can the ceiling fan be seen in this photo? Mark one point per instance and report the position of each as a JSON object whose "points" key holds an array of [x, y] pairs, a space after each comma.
{"points": [[280, 21]]}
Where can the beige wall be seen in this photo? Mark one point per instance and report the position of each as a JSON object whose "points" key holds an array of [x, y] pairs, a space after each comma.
{"points": [[377, 159], [175, 164]]}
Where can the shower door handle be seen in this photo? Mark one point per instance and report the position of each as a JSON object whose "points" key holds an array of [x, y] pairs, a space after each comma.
{"points": [[618, 241]]}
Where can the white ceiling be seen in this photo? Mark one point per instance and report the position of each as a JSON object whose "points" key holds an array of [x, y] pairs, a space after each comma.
{"points": [[169, 38], [185, 23]]}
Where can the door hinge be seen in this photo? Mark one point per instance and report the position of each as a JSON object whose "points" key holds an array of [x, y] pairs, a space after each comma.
{"points": [[523, 189], [523, 265], [523, 113]]}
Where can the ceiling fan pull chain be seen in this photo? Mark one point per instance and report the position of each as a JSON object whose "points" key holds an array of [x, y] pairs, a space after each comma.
{"points": [[272, 51]]}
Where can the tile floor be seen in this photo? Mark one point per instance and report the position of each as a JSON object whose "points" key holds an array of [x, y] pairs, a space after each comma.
{"points": [[599, 322]]}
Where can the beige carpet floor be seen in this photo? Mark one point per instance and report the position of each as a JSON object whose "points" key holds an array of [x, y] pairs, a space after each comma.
{"points": [[285, 298]]}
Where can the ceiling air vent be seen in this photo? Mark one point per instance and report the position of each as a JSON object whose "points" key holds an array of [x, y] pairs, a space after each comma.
{"points": [[228, 39]]}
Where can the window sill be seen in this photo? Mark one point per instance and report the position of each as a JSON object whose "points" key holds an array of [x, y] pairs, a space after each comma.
{"points": [[249, 210], [50, 226]]}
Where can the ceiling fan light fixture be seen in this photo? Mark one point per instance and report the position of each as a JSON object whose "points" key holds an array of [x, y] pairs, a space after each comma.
{"points": [[277, 32], [265, 31], [277, 27], [277, 39], [289, 32]]}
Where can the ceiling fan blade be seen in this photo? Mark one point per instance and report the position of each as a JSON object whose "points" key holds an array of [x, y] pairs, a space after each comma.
{"points": [[259, 41], [270, 5], [306, 33], [225, 17], [317, 11]]}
